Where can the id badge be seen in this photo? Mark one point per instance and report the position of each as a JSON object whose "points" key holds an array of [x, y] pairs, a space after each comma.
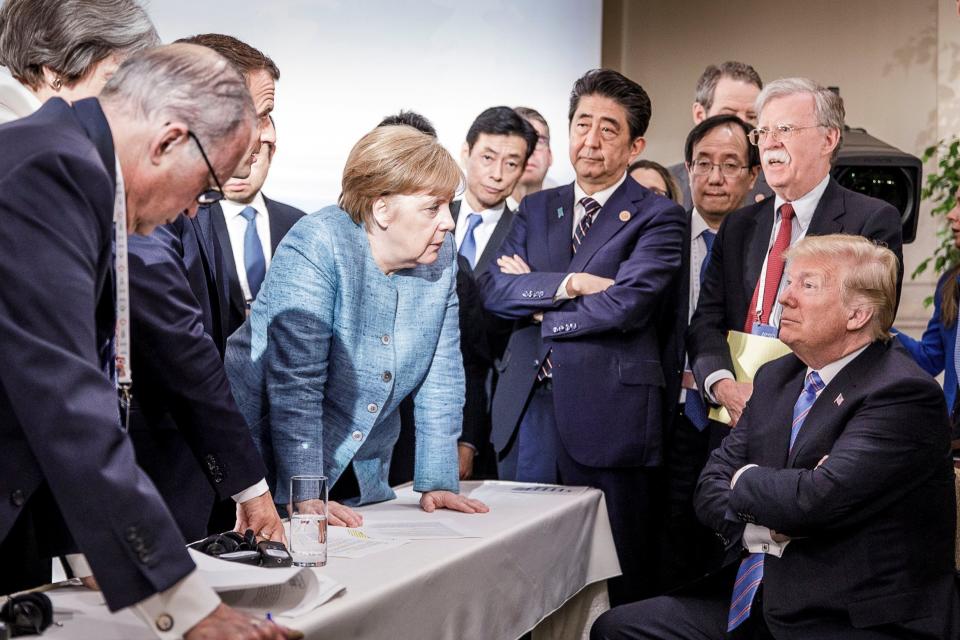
{"points": [[764, 330]]}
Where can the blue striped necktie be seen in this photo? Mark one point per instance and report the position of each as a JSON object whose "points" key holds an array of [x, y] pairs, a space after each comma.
{"points": [[253, 260], [694, 408], [750, 573]]}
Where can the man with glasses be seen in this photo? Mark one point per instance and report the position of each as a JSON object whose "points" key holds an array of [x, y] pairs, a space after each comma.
{"points": [[728, 89], [722, 166], [799, 134]]}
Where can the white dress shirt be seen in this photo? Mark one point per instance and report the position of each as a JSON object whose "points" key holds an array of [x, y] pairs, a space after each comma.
{"points": [[803, 210], [757, 538], [489, 218], [578, 212], [698, 253], [237, 229]]}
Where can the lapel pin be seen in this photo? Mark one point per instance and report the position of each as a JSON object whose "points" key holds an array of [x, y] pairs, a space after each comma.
{"points": [[624, 216], [559, 212], [838, 400]]}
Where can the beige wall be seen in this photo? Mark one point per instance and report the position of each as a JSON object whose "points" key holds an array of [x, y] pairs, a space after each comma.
{"points": [[897, 63]]}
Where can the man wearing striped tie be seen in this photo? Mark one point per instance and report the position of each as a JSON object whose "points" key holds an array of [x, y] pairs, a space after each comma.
{"points": [[835, 492], [582, 273]]}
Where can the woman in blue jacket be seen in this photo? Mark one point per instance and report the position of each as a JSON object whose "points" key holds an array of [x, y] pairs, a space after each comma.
{"points": [[935, 351], [359, 310]]}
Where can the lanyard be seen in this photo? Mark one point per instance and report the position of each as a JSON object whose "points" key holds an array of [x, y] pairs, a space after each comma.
{"points": [[124, 368]]}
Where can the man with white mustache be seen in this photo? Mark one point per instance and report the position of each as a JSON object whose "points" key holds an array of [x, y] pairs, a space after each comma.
{"points": [[800, 129]]}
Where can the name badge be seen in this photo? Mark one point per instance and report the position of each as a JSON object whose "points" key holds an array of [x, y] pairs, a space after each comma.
{"points": [[764, 330]]}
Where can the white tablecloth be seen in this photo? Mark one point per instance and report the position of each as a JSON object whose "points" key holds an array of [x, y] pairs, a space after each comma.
{"points": [[535, 553]]}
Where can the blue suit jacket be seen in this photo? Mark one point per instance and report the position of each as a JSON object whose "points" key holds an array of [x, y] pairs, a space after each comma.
{"points": [[934, 352], [332, 346], [608, 378], [59, 424]]}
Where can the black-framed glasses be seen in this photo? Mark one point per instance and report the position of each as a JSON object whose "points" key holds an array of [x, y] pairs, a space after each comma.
{"points": [[779, 132], [208, 196], [729, 169]]}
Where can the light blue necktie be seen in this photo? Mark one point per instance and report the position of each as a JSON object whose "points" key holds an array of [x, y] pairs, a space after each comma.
{"points": [[468, 248], [253, 260], [694, 408], [750, 573]]}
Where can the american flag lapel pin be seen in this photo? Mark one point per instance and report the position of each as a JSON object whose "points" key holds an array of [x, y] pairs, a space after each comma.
{"points": [[559, 212], [838, 400]]}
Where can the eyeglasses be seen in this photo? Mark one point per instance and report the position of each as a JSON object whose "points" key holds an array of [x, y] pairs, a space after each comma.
{"points": [[779, 133], [729, 169], [208, 196], [543, 142]]}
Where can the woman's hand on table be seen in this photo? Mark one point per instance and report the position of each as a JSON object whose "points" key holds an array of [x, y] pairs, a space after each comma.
{"points": [[341, 516], [433, 500]]}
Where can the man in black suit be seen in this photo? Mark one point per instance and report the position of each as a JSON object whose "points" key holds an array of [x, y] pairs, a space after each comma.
{"points": [[837, 480], [187, 432], [728, 89], [722, 167], [76, 179], [801, 125]]}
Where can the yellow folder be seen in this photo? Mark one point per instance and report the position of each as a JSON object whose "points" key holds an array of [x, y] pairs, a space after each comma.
{"points": [[749, 353]]}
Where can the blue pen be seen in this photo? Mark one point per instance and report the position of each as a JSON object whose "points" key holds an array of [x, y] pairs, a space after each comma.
{"points": [[269, 617]]}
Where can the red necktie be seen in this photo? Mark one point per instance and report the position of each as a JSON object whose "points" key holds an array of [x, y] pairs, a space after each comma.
{"points": [[774, 270]]}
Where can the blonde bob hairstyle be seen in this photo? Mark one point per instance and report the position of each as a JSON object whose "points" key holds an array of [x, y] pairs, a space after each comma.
{"points": [[868, 274], [395, 160]]}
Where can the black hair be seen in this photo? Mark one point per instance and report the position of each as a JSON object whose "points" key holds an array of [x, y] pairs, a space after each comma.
{"points": [[726, 119], [502, 121], [619, 88], [410, 119]]}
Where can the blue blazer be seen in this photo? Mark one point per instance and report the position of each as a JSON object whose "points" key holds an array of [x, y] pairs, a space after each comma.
{"points": [[608, 378], [59, 425], [332, 346], [934, 352]]}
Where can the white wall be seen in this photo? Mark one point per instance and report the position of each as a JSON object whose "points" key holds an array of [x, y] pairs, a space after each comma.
{"points": [[345, 65]]}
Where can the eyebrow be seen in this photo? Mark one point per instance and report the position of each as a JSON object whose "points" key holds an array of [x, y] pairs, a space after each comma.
{"points": [[612, 121]]}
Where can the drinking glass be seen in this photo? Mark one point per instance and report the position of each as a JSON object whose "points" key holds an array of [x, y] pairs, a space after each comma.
{"points": [[308, 520]]}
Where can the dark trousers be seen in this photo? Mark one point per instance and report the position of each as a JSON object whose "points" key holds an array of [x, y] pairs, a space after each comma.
{"points": [[537, 454], [688, 549], [700, 613]]}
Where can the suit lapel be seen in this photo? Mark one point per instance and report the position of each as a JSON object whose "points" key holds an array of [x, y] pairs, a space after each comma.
{"points": [[219, 224], [496, 239], [781, 415], [560, 227], [455, 210], [608, 222], [276, 226], [828, 409], [829, 211]]}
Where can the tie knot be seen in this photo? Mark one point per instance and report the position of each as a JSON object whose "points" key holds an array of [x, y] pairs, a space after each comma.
{"points": [[473, 220], [708, 237], [814, 382], [786, 211], [249, 213], [590, 205]]}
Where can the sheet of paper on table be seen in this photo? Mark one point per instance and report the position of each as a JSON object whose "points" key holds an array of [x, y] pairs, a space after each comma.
{"points": [[499, 489], [291, 591], [354, 543], [412, 530]]}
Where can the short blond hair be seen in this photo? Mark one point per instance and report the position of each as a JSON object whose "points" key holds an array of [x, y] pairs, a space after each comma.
{"points": [[395, 160], [869, 274]]}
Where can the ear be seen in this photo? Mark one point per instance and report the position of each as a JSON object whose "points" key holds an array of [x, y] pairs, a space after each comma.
{"points": [[637, 147], [166, 140], [832, 140], [754, 173], [858, 317], [464, 154], [381, 213], [699, 113]]}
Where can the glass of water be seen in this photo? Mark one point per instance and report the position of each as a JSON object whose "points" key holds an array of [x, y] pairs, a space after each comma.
{"points": [[308, 520]]}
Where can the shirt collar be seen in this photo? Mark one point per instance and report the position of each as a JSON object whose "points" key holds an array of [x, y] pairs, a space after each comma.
{"points": [[805, 205], [487, 215], [232, 209], [600, 196], [830, 371], [697, 224]]}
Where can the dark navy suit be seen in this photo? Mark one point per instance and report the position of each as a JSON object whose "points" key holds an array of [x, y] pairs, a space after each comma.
{"points": [[65, 464], [608, 379]]}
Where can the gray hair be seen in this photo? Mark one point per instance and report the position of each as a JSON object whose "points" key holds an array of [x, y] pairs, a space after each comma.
{"points": [[187, 83], [828, 108], [69, 36], [707, 84]]}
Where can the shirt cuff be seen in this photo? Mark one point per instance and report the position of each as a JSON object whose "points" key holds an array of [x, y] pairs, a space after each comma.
{"points": [[736, 476], [467, 444], [172, 613], [713, 378], [561, 293], [757, 539], [255, 491], [79, 565]]}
